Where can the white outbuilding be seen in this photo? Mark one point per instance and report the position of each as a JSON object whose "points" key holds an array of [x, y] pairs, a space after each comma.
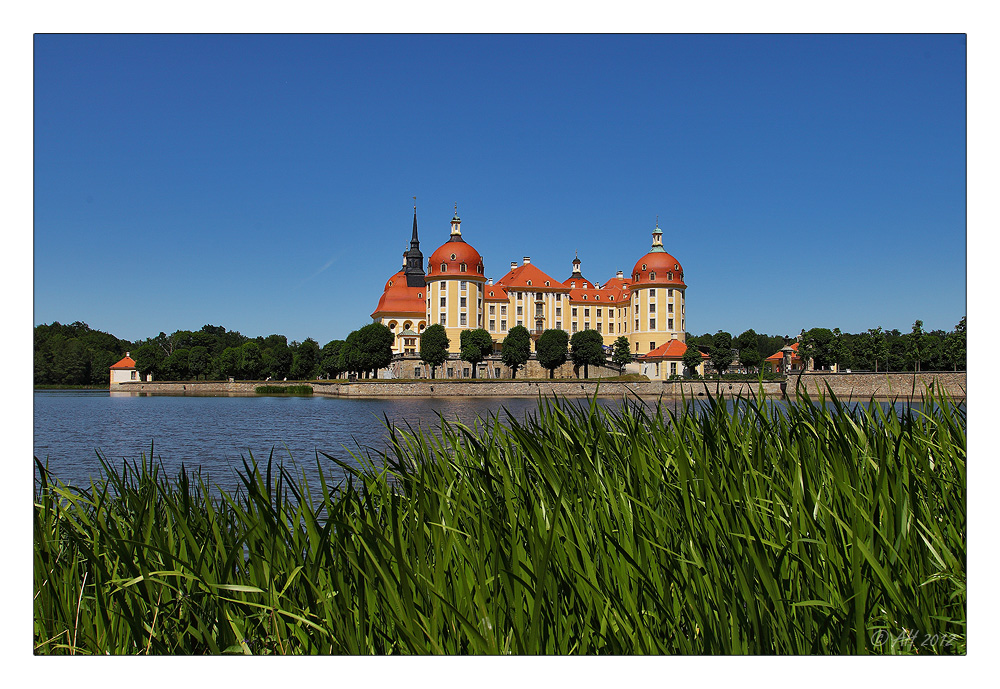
{"points": [[124, 371]]}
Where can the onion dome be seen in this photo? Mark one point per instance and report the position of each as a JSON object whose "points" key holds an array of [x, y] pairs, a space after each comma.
{"points": [[658, 267], [400, 298], [456, 258]]}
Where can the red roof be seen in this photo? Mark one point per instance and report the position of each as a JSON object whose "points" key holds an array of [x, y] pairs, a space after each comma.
{"points": [[778, 356], [125, 363], [453, 254], [658, 268], [398, 298], [495, 293], [673, 349], [519, 277]]}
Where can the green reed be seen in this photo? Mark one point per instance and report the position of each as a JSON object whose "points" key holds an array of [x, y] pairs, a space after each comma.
{"points": [[719, 528]]}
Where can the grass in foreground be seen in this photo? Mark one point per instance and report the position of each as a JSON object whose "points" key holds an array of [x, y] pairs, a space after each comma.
{"points": [[820, 529]]}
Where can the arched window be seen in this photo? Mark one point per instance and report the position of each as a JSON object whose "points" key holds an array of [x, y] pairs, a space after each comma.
{"points": [[390, 284], [464, 268], [644, 266], [444, 267], [546, 283], [670, 276], [529, 283], [652, 276]]}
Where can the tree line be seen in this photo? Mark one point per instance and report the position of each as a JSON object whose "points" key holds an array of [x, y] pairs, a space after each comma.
{"points": [[875, 349]]}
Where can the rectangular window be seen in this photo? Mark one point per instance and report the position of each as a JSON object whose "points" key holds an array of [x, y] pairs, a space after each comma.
{"points": [[520, 310], [652, 292], [637, 324], [493, 309], [465, 373], [637, 347], [520, 322], [573, 312], [673, 368], [461, 302], [462, 319], [463, 285], [503, 325], [451, 373], [652, 324], [637, 306], [416, 371], [493, 324], [657, 369], [442, 302], [558, 311], [503, 310], [598, 313], [652, 346], [598, 327], [670, 293], [670, 308], [558, 297], [652, 308], [520, 295], [586, 326], [444, 319], [574, 326], [670, 324], [496, 372], [586, 313]]}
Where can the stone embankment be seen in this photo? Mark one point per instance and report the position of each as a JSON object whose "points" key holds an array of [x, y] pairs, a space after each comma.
{"points": [[844, 385]]}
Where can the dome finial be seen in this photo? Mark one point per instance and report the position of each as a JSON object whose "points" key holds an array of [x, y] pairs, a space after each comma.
{"points": [[657, 237]]}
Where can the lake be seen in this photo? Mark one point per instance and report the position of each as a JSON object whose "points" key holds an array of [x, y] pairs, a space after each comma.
{"points": [[215, 432]]}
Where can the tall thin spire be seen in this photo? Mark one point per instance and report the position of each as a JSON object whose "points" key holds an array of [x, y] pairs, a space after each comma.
{"points": [[414, 258]]}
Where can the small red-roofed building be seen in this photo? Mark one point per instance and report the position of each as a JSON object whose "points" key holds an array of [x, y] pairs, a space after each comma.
{"points": [[667, 360], [779, 363], [124, 370]]}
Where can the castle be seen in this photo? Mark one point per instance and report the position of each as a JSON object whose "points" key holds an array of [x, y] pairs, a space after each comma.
{"points": [[647, 307]]}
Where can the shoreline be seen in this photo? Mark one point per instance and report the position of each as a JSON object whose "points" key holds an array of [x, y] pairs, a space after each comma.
{"points": [[846, 386]]}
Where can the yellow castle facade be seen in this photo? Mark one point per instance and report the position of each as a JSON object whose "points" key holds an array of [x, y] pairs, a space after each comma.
{"points": [[452, 288]]}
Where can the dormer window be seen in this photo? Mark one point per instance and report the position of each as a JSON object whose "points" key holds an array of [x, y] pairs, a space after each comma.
{"points": [[420, 295], [584, 296], [444, 267], [676, 267], [546, 283], [390, 283], [529, 283], [598, 297], [479, 269], [670, 276], [652, 276], [453, 257], [643, 265], [464, 268], [573, 284]]}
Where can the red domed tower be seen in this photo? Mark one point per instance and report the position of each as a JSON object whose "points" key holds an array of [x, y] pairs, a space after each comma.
{"points": [[455, 279], [657, 296], [402, 307]]}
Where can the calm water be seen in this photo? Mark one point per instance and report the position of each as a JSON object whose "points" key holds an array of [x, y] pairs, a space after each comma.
{"points": [[215, 432]]}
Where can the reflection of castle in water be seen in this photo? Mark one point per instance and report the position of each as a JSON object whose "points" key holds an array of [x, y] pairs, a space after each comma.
{"points": [[647, 307]]}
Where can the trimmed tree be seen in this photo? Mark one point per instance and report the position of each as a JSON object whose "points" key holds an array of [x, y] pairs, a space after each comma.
{"points": [[622, 354], [351, 358], [692, 359], [552, 349], [476, 345], [434, 346], [721, 352], [587, 349], [516, 349], [330, 361], [376, 347]]}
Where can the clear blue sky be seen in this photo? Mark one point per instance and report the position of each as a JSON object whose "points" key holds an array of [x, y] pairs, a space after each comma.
{"points": [[264, 183]]}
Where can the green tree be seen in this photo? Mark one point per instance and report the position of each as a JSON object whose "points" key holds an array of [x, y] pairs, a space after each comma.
{"points": [[351, 358], [692, 359], [476, 345], [228, 362], [305, 361], [587, 349], [251, 361], [915, 345], [330, 361], [175, 367], [148, 358], [434, 345], [70, 363], [721, 351], [375, 341], [516, 349], [750, 358], [622, 354], [198, 362], [552, 349], [818, 344], [955, 345]]}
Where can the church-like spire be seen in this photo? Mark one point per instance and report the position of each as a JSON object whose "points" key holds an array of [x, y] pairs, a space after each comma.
{"points": [[456, 227], [414, 270]]}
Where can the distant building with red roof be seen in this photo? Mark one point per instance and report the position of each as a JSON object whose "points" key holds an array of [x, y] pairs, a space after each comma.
{"points": [[667, 360], [124, 370], [775, 361]]}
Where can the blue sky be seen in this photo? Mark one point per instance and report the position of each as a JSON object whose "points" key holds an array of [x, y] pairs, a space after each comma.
{"points": [[264, 183]]}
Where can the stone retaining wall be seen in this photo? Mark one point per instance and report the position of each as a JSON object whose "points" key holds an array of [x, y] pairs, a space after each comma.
{"points": [[865, 385], [845, 385]]}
